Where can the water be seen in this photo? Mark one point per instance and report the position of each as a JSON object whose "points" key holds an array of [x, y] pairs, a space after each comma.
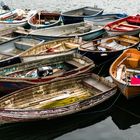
{"points": [[130, 7], [121, 122]]}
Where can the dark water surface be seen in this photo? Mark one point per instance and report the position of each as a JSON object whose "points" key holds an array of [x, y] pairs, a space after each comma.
{"points": [[105, 122]]}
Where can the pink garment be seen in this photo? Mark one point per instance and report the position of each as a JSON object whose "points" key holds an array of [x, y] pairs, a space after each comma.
{"points": [[135, 81]]}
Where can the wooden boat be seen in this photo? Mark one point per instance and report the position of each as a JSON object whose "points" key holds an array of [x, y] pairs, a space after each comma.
{"points": [[44, 19], [78, 15], [39, 50], [22, 75], [129, 25], [103, 49], [11, 49], [17, 17], [125, 72], [55, 99], [85, 30], [51, 48], [104, 19]]}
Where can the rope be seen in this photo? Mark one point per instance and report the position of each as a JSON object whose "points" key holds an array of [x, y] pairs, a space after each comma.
{"points": [[103, 110]]}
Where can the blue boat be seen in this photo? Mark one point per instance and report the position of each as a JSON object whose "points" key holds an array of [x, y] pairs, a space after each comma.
{"points": [[78, 15], [85, 30], [11, 49], [105, 18]]}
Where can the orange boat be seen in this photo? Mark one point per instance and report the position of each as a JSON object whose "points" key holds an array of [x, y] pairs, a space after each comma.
{"points": [[125, 72]]}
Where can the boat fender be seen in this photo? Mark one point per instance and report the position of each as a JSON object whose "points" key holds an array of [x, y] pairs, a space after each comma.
{"points": [[44, 71], [121, 71]]}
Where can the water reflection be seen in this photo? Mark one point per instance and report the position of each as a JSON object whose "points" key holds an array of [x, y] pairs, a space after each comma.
{"points": [[126, 112]]}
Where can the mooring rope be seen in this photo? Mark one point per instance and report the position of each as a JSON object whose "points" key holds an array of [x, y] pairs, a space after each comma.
{"points": [[103, 110]]}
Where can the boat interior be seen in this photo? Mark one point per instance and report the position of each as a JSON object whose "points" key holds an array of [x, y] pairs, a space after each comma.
{"points": [[56, 94], [44, 17], [127, 68], [111, 43], [66, 30], [16, 46], [53, 47], [131, 23], [39, 69]]}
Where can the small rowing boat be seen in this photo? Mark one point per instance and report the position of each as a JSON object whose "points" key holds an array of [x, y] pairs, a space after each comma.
{"points": [[55, 99], [104, 49], [125, 72], [104, 19], [129, 25], [44, 19], [78, 15], [85, 30]]}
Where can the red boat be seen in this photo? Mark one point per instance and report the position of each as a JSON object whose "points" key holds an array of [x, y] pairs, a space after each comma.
{"points": [[129, 25]]}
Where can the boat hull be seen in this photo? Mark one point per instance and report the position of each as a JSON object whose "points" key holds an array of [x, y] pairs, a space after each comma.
{"points": [[89, 12], [120, 67], [128, 91], [101, 57], [87, 36], [115, 33]]}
